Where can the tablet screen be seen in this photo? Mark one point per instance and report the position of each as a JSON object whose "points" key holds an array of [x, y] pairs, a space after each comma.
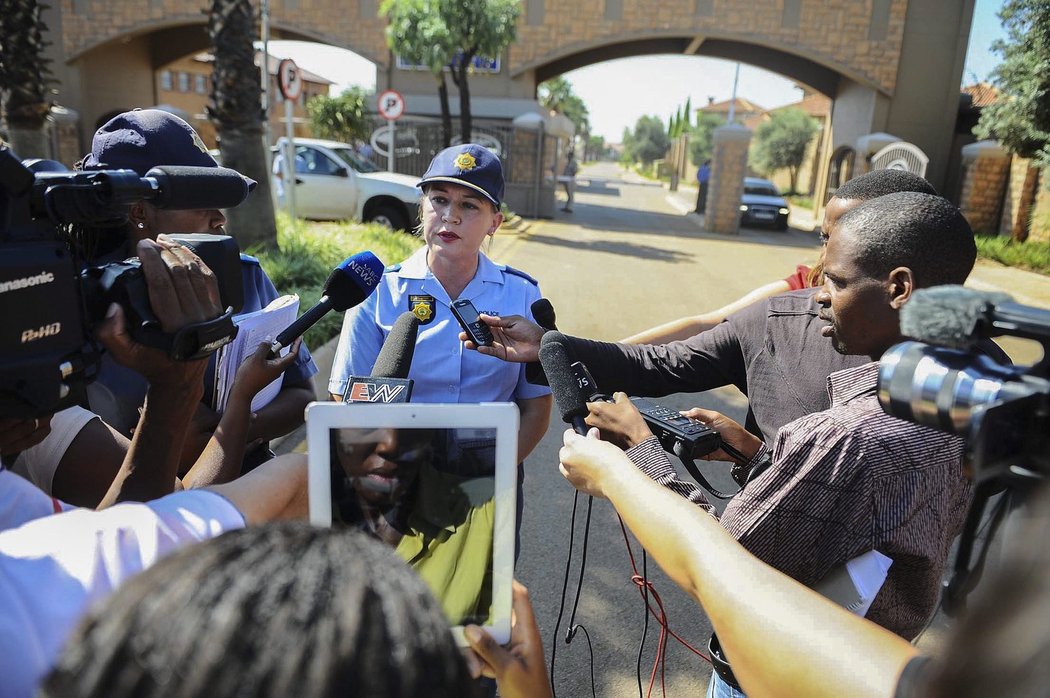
{"points": [[429, 493], [435, 484]]}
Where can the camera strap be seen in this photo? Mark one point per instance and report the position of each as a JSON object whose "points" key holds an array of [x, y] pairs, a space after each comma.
{"points": [[192, 342]]}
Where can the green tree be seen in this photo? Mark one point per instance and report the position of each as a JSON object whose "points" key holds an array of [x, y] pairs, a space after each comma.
{"points": [[24, 77], [700, 136], [595, 149], [236, 94], [416, 31], [450, 34], [478, 28], [341, 118], [1020, 118], [648, 141], [781, 142], [557, 94]]}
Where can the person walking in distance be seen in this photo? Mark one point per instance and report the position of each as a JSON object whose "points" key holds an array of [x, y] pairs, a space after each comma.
{"points": [[703, 177], [569, 180]]}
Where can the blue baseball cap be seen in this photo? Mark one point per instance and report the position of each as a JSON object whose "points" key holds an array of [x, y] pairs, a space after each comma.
{"points": [[470, 165], [142, 139]]}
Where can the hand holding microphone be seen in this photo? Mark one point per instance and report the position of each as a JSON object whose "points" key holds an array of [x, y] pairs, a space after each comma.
{"points": [[349, 284]]}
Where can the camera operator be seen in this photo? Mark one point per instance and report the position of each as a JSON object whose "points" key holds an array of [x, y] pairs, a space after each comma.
{"points": [[53, 567], [139, 140]]}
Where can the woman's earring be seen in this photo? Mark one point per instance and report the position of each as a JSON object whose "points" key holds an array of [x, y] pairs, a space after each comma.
{"points": [[141, 225]]}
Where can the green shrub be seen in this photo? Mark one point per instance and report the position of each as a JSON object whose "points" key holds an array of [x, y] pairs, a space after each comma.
{"points": [[1030, 254], [307, 252]]}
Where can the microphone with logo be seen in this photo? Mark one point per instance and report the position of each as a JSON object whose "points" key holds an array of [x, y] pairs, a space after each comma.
{"points": [[389, 381], [349, 284], [570, 381]]}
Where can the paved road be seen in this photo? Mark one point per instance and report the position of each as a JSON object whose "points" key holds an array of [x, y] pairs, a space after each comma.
{"points": [[626, 259]]}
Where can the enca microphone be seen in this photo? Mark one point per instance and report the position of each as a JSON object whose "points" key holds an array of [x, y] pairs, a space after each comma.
{"points": [[349, 284], [959, 317], [556, 358], [543, 313], [198, 187], [389, 381]]}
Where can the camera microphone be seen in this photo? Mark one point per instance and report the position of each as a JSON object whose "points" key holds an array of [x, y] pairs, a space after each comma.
{"points": [[181, 187], [349, 284], [958, 317]]}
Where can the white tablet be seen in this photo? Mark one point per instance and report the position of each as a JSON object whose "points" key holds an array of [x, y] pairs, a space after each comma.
{"points": [[435, 481]]}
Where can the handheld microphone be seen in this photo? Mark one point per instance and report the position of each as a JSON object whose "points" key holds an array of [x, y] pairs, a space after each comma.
{"points": [[568, 391], [543, 313], [960, 317], [389, 381], [350, 283]]}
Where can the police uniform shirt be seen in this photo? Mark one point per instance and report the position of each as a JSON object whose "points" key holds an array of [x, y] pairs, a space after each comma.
{"points": [[443, 370]]}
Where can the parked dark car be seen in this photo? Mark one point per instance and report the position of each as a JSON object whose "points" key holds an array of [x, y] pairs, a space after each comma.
{"points": [[762, 205]]}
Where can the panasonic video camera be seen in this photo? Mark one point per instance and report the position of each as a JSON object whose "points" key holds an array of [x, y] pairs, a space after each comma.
{"points": [[50, 300]]}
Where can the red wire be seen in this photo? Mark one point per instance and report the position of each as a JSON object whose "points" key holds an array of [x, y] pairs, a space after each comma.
{"points": [[644, 584]]}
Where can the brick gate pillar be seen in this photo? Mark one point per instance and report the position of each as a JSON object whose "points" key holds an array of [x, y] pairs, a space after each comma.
{"points": [[728, 169], [987, 169]]}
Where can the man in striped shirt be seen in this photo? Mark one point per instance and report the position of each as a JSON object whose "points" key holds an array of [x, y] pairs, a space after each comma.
{"points": [[850, 479]]}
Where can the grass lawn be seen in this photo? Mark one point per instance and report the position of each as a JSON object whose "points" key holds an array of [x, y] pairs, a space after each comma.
{"points": [[309, 251], [1031, 255]]}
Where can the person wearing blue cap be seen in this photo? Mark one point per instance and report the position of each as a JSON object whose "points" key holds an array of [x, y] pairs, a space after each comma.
{"points": [[140, 140], [460, 210]]}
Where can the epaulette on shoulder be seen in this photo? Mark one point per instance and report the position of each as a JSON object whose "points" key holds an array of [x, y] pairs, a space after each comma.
{"points": [[518, 272], [392, 268], [248, 259]]}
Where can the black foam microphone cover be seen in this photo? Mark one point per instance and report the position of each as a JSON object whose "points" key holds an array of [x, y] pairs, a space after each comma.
{"points": [[395, 358], [543, 312], [557, 360], [198, 187]]}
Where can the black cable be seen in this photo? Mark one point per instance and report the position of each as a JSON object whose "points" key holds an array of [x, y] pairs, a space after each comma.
{"points": [[571, 632], [645, 622]]}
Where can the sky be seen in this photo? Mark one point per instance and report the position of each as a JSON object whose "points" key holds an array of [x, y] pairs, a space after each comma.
{"points": [[658, 85]]}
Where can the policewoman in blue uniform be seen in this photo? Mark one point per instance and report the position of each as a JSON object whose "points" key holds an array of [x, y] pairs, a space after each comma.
{"points": [[460, 210]]}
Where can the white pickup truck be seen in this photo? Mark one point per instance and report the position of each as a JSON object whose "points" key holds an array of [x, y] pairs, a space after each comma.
{"points": [[332, 182]]}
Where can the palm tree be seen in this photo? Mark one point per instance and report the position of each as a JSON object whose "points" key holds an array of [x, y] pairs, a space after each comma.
{"points": [[236, 98], [24, 77]]}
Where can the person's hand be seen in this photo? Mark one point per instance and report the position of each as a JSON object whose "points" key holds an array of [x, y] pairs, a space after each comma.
{"points": [[619, 421], [731, 432], [182, 291], [17, 433], [586, 462], [518, 668], [515, 338], [202, 426], [258, 370]]}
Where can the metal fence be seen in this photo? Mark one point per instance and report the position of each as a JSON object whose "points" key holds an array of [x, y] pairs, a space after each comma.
{"points": [[530, 158]]}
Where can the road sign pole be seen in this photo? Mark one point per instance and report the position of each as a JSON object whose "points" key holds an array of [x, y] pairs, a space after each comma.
{"points": [[390, 149], [289, 158]]}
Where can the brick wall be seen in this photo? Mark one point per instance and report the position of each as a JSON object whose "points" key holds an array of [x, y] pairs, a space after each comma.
{"points": [[982, 192], [1019, 199], [728, 169]]}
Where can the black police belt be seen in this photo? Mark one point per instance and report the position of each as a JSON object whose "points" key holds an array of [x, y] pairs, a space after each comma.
{"points": [[192, 342], [720, 664]]}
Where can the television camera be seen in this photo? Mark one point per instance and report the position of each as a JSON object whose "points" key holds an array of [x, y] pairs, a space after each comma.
{"points": [[1002, 411], [50, 299]]}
